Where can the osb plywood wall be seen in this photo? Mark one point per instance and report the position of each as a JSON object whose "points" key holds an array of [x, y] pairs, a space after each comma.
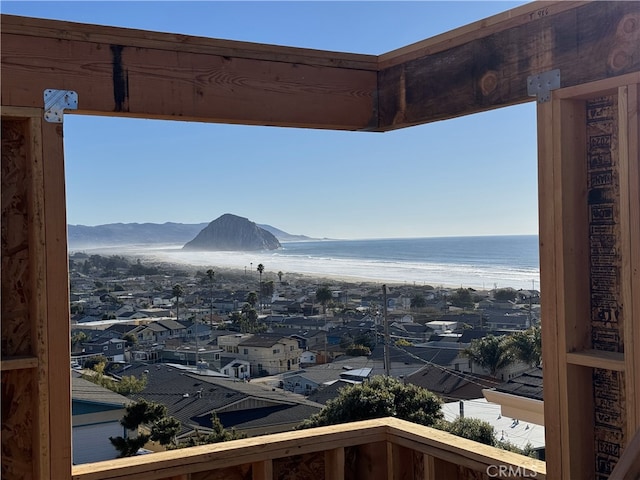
{"points": [[18, 386]]}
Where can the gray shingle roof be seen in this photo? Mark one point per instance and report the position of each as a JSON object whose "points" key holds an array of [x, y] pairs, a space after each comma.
{"points": [[86, 391], [527, 384], [191, 398]]}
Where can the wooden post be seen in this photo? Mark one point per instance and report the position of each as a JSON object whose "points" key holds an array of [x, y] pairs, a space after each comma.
{"points": [[334, 464], [589, 215]]}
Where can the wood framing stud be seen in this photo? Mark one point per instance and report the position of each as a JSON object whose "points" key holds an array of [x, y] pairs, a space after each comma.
{"points": [[541, 85], [55, 103]]}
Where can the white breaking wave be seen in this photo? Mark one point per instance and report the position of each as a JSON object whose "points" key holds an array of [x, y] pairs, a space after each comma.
{"points": [[418, 273]]}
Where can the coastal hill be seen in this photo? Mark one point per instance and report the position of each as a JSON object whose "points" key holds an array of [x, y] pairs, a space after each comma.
{"points": [[232, 233], [116, 234]]}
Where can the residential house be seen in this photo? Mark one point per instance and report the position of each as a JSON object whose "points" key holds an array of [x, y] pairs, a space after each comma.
{"points": [[450, 384], [235, 368], [247, 407], [96, 414], [268, 354], [113, 349], [185, 354]]}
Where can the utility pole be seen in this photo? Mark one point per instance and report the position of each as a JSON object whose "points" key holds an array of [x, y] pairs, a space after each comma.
{"points": [[387, 346]]}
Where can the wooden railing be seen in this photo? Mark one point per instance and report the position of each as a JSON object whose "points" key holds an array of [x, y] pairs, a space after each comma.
{"points": [[379, 449]]}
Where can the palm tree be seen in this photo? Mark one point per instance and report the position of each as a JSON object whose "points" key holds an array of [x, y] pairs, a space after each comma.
{"points": [[252, 299], [210, 275], [260, 270], [178, 291], [323, 295], [526, 346], [490, 352]]}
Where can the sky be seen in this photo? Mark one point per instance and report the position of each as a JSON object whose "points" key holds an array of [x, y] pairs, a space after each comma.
{"points": [[475, 175]]}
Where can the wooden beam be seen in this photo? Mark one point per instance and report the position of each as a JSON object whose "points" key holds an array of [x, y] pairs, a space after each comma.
{"points": [[334, 464], [55, 364], [262, 470], [549, 285], [166, 80], [491, 71]]}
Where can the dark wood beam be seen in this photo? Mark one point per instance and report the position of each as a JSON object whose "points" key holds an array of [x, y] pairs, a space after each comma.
{"points": [[590, 42]]}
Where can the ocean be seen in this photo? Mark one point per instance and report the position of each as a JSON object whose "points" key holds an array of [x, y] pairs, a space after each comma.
{"points": [[482, 262]]}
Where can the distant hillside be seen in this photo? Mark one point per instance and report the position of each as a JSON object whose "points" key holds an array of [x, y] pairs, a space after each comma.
{"points": [[81, 236], [114, 234], [284, 236], [232, 233]]}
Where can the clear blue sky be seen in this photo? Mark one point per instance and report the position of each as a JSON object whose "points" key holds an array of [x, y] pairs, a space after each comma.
{"points": [[474, 175]]}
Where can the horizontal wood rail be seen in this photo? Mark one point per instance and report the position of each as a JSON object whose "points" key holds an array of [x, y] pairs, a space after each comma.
{"points": [[385, 448]]}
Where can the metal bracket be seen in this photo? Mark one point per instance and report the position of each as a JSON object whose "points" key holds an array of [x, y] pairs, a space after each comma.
{"points": [[56, 101], [541, 85]]}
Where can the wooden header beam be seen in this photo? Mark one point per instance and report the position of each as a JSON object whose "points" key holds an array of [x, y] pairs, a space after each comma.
{"points": [[486, 65], [479, 67]]}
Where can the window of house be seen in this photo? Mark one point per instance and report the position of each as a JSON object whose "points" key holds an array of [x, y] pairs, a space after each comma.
{"points": [[246, 351], [119, 346]]}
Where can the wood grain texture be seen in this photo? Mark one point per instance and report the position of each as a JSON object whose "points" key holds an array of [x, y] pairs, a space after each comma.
{"points": [[63, 30], [492, 71], [58, 355], [18, 394], [118, 79], [14, 233], [304, 467]]}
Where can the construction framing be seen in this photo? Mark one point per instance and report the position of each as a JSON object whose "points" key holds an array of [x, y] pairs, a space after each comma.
{"points": [[589, 187]]}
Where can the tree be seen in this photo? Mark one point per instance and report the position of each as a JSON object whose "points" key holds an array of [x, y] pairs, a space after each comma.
{"points": [[490, 352], [218, 434], [323, 295], [79, 338], [462, 298], [252, 299], [471, 428], [130, 338], [418, 301], [526, 346], [356, 350], [280, 274], [154, 415], [505, 294], [127, 385], [178, 291], [377, 398], [260, 270]]}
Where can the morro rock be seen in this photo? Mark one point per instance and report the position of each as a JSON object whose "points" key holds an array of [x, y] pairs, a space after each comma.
{"points": [[232, 233]]}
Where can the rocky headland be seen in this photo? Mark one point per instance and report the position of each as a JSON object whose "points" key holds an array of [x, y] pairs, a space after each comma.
{"points": [[233, 233]]}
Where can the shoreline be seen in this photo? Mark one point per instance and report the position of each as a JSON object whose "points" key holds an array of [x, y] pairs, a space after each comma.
{"points": [[317, 270], [310, 279]]}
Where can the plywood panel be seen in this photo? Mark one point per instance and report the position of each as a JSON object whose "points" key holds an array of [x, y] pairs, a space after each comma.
{"points": [[304, 467], [16, 285], [18, 394]]}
